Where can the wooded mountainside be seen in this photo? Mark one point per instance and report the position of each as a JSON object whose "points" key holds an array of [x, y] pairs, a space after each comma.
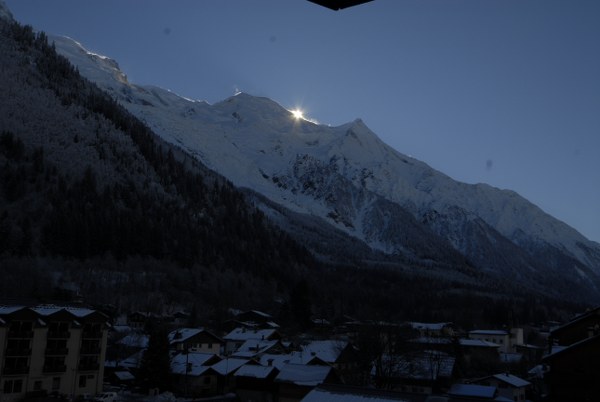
{"points": [[92, 201]]}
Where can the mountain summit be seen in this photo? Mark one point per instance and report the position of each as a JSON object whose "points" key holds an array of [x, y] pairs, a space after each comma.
{"points": [[350, 181], [5, 13]]}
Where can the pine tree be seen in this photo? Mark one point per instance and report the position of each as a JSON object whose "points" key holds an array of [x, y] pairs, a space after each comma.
{"points": [[155, 367]]}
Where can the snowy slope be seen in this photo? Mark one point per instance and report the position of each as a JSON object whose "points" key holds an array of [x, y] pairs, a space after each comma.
{"points": [[345, 175], [5, 13]]}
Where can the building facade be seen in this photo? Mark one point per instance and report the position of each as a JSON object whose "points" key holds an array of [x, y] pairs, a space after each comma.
{"points": [[51, 350]]}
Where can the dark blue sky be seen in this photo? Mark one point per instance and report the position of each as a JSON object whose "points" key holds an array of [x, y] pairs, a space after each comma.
{"points": [[505, 92]]}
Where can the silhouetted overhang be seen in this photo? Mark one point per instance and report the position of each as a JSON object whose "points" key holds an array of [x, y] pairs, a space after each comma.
{"points": [[339, 4]]}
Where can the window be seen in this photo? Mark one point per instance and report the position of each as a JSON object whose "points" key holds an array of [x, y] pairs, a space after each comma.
{"points": [[207, 380], [82, 381], [37, 386], [13, 386], [55, 383]]}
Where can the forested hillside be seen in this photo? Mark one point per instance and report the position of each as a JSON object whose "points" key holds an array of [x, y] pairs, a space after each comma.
{"points": [[93, 203]]}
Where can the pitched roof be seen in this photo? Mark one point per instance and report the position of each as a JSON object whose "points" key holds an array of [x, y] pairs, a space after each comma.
{"points": [[301, 374], [254, 371], [337, 393], [472, 390], [512, 380], [279, 360], [253, 347], [183, 334], [124, 375], [243, 334], [228, 365], [575, 320], [197, 363], [559, 351], [135, 339], [328, 350], [433, 326]]}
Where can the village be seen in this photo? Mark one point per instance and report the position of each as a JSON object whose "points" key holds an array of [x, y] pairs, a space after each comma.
{"points": [[78, 353]]}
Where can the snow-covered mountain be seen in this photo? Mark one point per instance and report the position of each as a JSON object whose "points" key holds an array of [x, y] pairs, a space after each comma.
{"points": [[346, 176], [5, 13]]}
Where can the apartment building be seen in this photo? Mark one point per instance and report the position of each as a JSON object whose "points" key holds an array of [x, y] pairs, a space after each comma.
{"points": [[50, 349]]}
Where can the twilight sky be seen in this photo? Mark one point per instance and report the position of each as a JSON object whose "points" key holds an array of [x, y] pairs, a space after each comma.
{"points": [[505, 92]]}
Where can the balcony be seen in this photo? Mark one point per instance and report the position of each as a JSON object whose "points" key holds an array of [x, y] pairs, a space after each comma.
{"points": [[59, 334], [92, 350], [91, 335], [15, 370], [57, 352], [19, 334], [60, 368], [89, 366], [15, 352]]}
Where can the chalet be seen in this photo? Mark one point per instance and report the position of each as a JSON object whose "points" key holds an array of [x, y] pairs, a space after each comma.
{"points": [[195, 340], [574, 371], [239, 336], [51, 349], [139, 319], [225, 370], [256, 383], [254, 348], [252, 319], [193, 374], [507, 340], [508, 386], [437, 329], [579, 328], [296, 380]]}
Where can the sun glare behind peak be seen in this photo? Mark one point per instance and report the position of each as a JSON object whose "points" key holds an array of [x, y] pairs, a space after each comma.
{"points": [[298, 114]]}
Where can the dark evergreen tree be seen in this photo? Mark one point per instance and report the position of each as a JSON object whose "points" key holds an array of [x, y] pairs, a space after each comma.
{"points": [[155, 367]]}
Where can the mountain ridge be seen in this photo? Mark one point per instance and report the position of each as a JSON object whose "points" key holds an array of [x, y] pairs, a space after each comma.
{"points": [[338, 173]]}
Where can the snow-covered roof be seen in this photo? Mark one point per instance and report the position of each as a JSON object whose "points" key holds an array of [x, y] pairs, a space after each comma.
{"points": [[46, 310], [260, 313], [479, 343], [279, 360], [351, 394], [124, 375], [182, 334], [194, 360], [228, 365], [512, 380], [327, 350], [10, 309], [244, 334], [301, 374], [254, 371], [491, 332], [134, 360], [430, 326], [472, 390], [253, 347], [135, 340]]}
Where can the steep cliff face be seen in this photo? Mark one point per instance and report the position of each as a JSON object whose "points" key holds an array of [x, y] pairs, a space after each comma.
{"points": [[349, 178]]}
